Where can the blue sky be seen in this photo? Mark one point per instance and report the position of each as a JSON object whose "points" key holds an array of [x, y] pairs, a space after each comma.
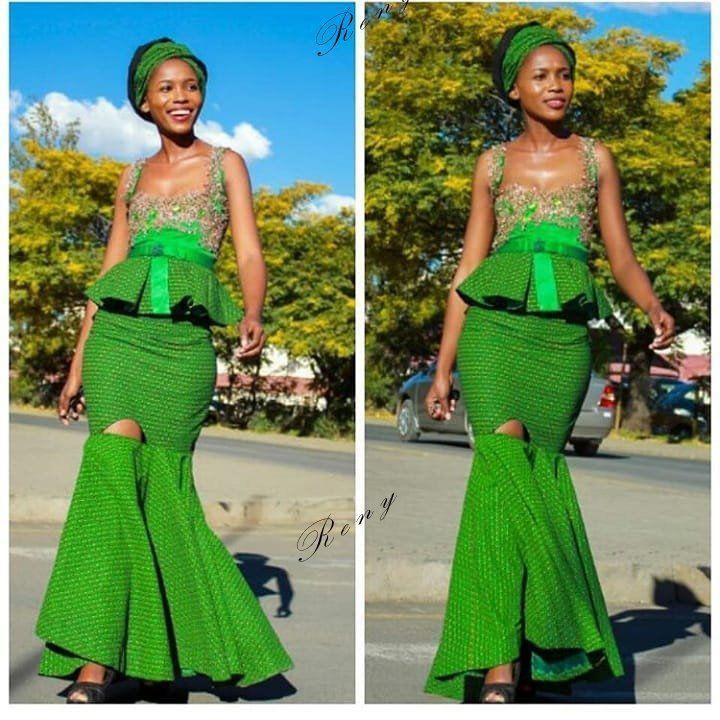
{"points": [[687, 23], [288, 111]]}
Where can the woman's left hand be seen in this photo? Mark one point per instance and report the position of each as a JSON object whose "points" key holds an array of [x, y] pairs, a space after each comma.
{"points": [[252, 338], [664, 324]]}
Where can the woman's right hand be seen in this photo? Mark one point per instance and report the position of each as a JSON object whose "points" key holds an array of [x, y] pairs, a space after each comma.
{"points": [[71, 401], [438, 403]]}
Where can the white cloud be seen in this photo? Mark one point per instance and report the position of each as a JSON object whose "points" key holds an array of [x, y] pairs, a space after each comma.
{"points": [[118, 132], [330, 204], [652, 8], [16, 100], [244, 138]]}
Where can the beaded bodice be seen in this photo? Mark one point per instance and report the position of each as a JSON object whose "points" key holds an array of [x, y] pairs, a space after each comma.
{"points": [[570, 205], [203, 211]]}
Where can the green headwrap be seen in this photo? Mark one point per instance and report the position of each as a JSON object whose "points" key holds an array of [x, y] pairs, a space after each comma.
{"points": [[523, 43], [156, 54]]}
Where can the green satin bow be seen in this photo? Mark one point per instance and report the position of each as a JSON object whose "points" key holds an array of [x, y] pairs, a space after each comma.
{"points": [[543, 239], [160, 244]]}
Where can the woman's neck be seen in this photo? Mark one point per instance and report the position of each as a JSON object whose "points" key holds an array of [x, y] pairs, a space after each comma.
{"points": [[543, 136]]}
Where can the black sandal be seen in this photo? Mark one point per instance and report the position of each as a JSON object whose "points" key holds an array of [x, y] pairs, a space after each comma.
{"points": [[507, 690], [94, 691]]}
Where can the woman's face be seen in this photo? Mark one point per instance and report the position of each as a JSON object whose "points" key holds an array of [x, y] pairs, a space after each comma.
{"points": [[543, 85], [173, 96]]}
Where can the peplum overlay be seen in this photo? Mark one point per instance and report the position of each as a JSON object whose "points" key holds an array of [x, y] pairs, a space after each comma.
{"points": [[174, 242], [506, 281], [194, 291]]}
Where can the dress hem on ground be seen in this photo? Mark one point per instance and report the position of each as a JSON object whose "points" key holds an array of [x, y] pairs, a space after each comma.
{"points": [[142, 584], [522, 572]]}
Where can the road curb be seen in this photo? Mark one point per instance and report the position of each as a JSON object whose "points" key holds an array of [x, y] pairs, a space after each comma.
{"points": [[400, 580], [234, 514]]}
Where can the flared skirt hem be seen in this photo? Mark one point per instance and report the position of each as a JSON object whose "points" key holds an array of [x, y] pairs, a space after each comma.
{"points": [[522, 572], [142, 584]]}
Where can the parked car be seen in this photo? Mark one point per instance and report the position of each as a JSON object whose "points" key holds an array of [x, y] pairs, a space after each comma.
{"points": [[682, 413], [592, 425], [216, 411], [661, 386]]}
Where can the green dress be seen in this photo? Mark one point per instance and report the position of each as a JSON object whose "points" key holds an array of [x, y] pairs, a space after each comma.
{"points": [[140, 582], [523, 582]]}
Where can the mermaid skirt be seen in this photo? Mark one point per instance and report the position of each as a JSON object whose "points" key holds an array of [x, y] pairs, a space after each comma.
{"points": [[523, 576], [140, 582]]}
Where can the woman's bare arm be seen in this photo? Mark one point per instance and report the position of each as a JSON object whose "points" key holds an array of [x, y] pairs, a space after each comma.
{"points": [[626, 270], [115, 251], [248, 251], [476, 245]]}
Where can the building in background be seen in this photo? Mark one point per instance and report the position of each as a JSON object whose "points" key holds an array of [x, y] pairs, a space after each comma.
{"points": [[280, 378]]}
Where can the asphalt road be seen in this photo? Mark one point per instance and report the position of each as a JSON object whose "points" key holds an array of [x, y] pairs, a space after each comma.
{"points": [[290, 455], [647, 519], [688, 475], [665, 654]]}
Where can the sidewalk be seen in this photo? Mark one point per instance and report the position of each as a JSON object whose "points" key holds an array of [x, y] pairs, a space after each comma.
{"points": [[243, 479]]}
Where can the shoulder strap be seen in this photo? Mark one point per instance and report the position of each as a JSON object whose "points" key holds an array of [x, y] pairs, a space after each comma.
{"points": [[217, 178], [133, 177], [497, 166], [590, 160]]}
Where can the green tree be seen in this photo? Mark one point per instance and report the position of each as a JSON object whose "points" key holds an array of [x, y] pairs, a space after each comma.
{"points": [[431, 109], [60, 209], [311, 294]]}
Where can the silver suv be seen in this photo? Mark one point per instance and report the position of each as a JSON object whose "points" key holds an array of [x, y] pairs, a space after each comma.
{"points": [[591, 428]]}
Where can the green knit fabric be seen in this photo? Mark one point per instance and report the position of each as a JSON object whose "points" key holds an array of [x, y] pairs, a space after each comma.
{"points": [[506, 281], [523, 43], [523, 571], [194, 291], [140, 582], [158, 54]]}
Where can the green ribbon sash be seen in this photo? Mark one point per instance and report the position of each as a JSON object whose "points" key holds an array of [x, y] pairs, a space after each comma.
{"points": [[160, 244], [543, 239]]}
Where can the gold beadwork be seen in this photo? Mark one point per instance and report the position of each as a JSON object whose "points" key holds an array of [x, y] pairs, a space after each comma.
{"points": [[568, 205], [203, 210]]}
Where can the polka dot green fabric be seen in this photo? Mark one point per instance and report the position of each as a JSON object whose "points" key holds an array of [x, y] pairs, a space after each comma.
{"points": [[523, 574], [194, 291], [140, 582]]}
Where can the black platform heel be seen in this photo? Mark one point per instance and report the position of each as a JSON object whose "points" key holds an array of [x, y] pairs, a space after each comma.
{"points": [[507, 690], [95, 692]]}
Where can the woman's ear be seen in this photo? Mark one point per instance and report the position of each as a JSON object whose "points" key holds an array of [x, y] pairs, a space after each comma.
{"points": [[514, 94]]}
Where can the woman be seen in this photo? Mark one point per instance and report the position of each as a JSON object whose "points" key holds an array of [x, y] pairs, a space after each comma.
{"points": [[524, 592], [141, 586]]}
